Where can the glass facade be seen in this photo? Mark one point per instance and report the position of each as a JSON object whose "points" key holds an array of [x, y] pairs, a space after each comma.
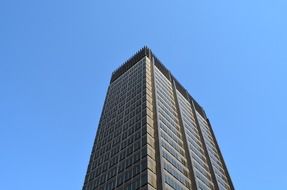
{"points": [[195, 145], [123, 141], [153, 135], [175, 173], [213, 154]]}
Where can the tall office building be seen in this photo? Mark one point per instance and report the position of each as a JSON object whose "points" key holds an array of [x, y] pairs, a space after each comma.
{"points": [[153, 135]]}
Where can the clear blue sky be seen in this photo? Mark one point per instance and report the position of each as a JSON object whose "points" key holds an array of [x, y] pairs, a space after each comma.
{"points": [[57, 56]]}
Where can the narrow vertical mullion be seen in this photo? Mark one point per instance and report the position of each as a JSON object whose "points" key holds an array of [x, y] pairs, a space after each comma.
{"points": [[155, 118]]}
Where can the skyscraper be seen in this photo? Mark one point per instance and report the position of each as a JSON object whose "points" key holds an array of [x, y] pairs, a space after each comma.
{"points": [[152, 134]]}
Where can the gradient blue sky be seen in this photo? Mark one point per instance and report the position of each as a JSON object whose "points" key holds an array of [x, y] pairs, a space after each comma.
{"points": [[57, 56]]}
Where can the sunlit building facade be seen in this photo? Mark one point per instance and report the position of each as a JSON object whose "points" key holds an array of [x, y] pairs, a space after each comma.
{"points": [[153, 135]]}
